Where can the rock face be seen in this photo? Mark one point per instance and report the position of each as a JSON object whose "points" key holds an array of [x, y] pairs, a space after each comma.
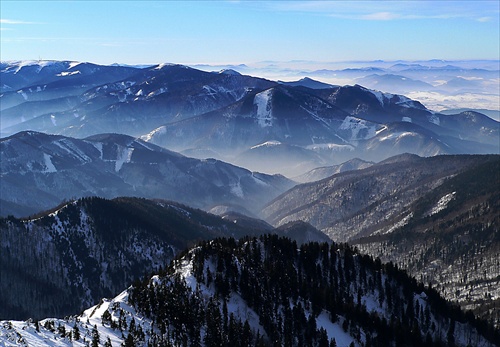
{"points": [[39, 171]]}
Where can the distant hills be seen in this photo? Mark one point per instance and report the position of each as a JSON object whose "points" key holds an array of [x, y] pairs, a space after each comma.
{"points": [[229, 116], [39, 171]]}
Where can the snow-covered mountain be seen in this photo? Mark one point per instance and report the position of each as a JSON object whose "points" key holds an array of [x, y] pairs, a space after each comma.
{"points": [[226, 114], [329, 126], [131, 101], [39, 171], [226, 292]]}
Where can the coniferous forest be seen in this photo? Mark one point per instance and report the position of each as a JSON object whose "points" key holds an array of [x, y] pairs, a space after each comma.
{"points": [[271, 292]]}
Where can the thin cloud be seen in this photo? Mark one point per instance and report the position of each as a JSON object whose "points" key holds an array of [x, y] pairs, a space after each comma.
{"points": [[484, 19], [393, 10], [15, 22], [381, 16]]}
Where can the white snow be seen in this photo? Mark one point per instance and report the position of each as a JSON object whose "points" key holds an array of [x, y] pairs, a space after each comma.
{"points": [[23, 94], [123, 157], [434, 119], [264, 108], [442, 203], [53, 120], [406, 119], [380, 96], [70, 148], [237, 190], [68, 73], [356, 125], [397, 225], [397, 135], [157, 92], [73, 64], [49, 166], [156, 132], [333, 330], [330, 146], [267, 144]]}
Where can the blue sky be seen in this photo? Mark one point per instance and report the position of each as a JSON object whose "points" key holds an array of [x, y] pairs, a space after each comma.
{"points": [[224, 32]]}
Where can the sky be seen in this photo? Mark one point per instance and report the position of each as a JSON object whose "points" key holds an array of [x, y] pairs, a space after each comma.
{"points": [[234, 32]]}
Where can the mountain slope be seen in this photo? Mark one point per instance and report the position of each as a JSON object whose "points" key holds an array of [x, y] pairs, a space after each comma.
{"points": [[39, 171], [359, 203], [436, 217], [68, 259], [133, 102], [336, 124], [450, 238], [236, 293]]}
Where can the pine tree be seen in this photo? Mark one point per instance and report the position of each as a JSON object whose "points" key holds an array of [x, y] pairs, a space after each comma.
{"points": [[129, 341], [95, 337], [76, 332]]}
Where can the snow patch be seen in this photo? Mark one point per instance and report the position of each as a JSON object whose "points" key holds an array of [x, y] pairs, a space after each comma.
{"points": [[397, 135], [237, 190], [330, 146], [434, 119], [333, 330], [68, 73], [23, 94], [49, 166], [380, 96], [53, 120], [264, 108], [123, 157], [157, 132], [406, 119], [355, 125], [267, 144], [399, 224], [442, 204]]}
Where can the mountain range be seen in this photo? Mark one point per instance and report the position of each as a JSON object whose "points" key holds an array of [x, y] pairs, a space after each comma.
{"points": [[229, 116], [39, 171]]}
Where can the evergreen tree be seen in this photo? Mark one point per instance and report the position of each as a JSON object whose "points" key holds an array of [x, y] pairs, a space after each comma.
{"points": [[95, 337], [76, 332]]}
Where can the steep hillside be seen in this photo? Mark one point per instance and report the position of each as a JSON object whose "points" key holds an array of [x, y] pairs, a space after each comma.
{"points": [[226, 292], [450, 238], [67, 259], [359, 203], [39, 171], [436, 217]]}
